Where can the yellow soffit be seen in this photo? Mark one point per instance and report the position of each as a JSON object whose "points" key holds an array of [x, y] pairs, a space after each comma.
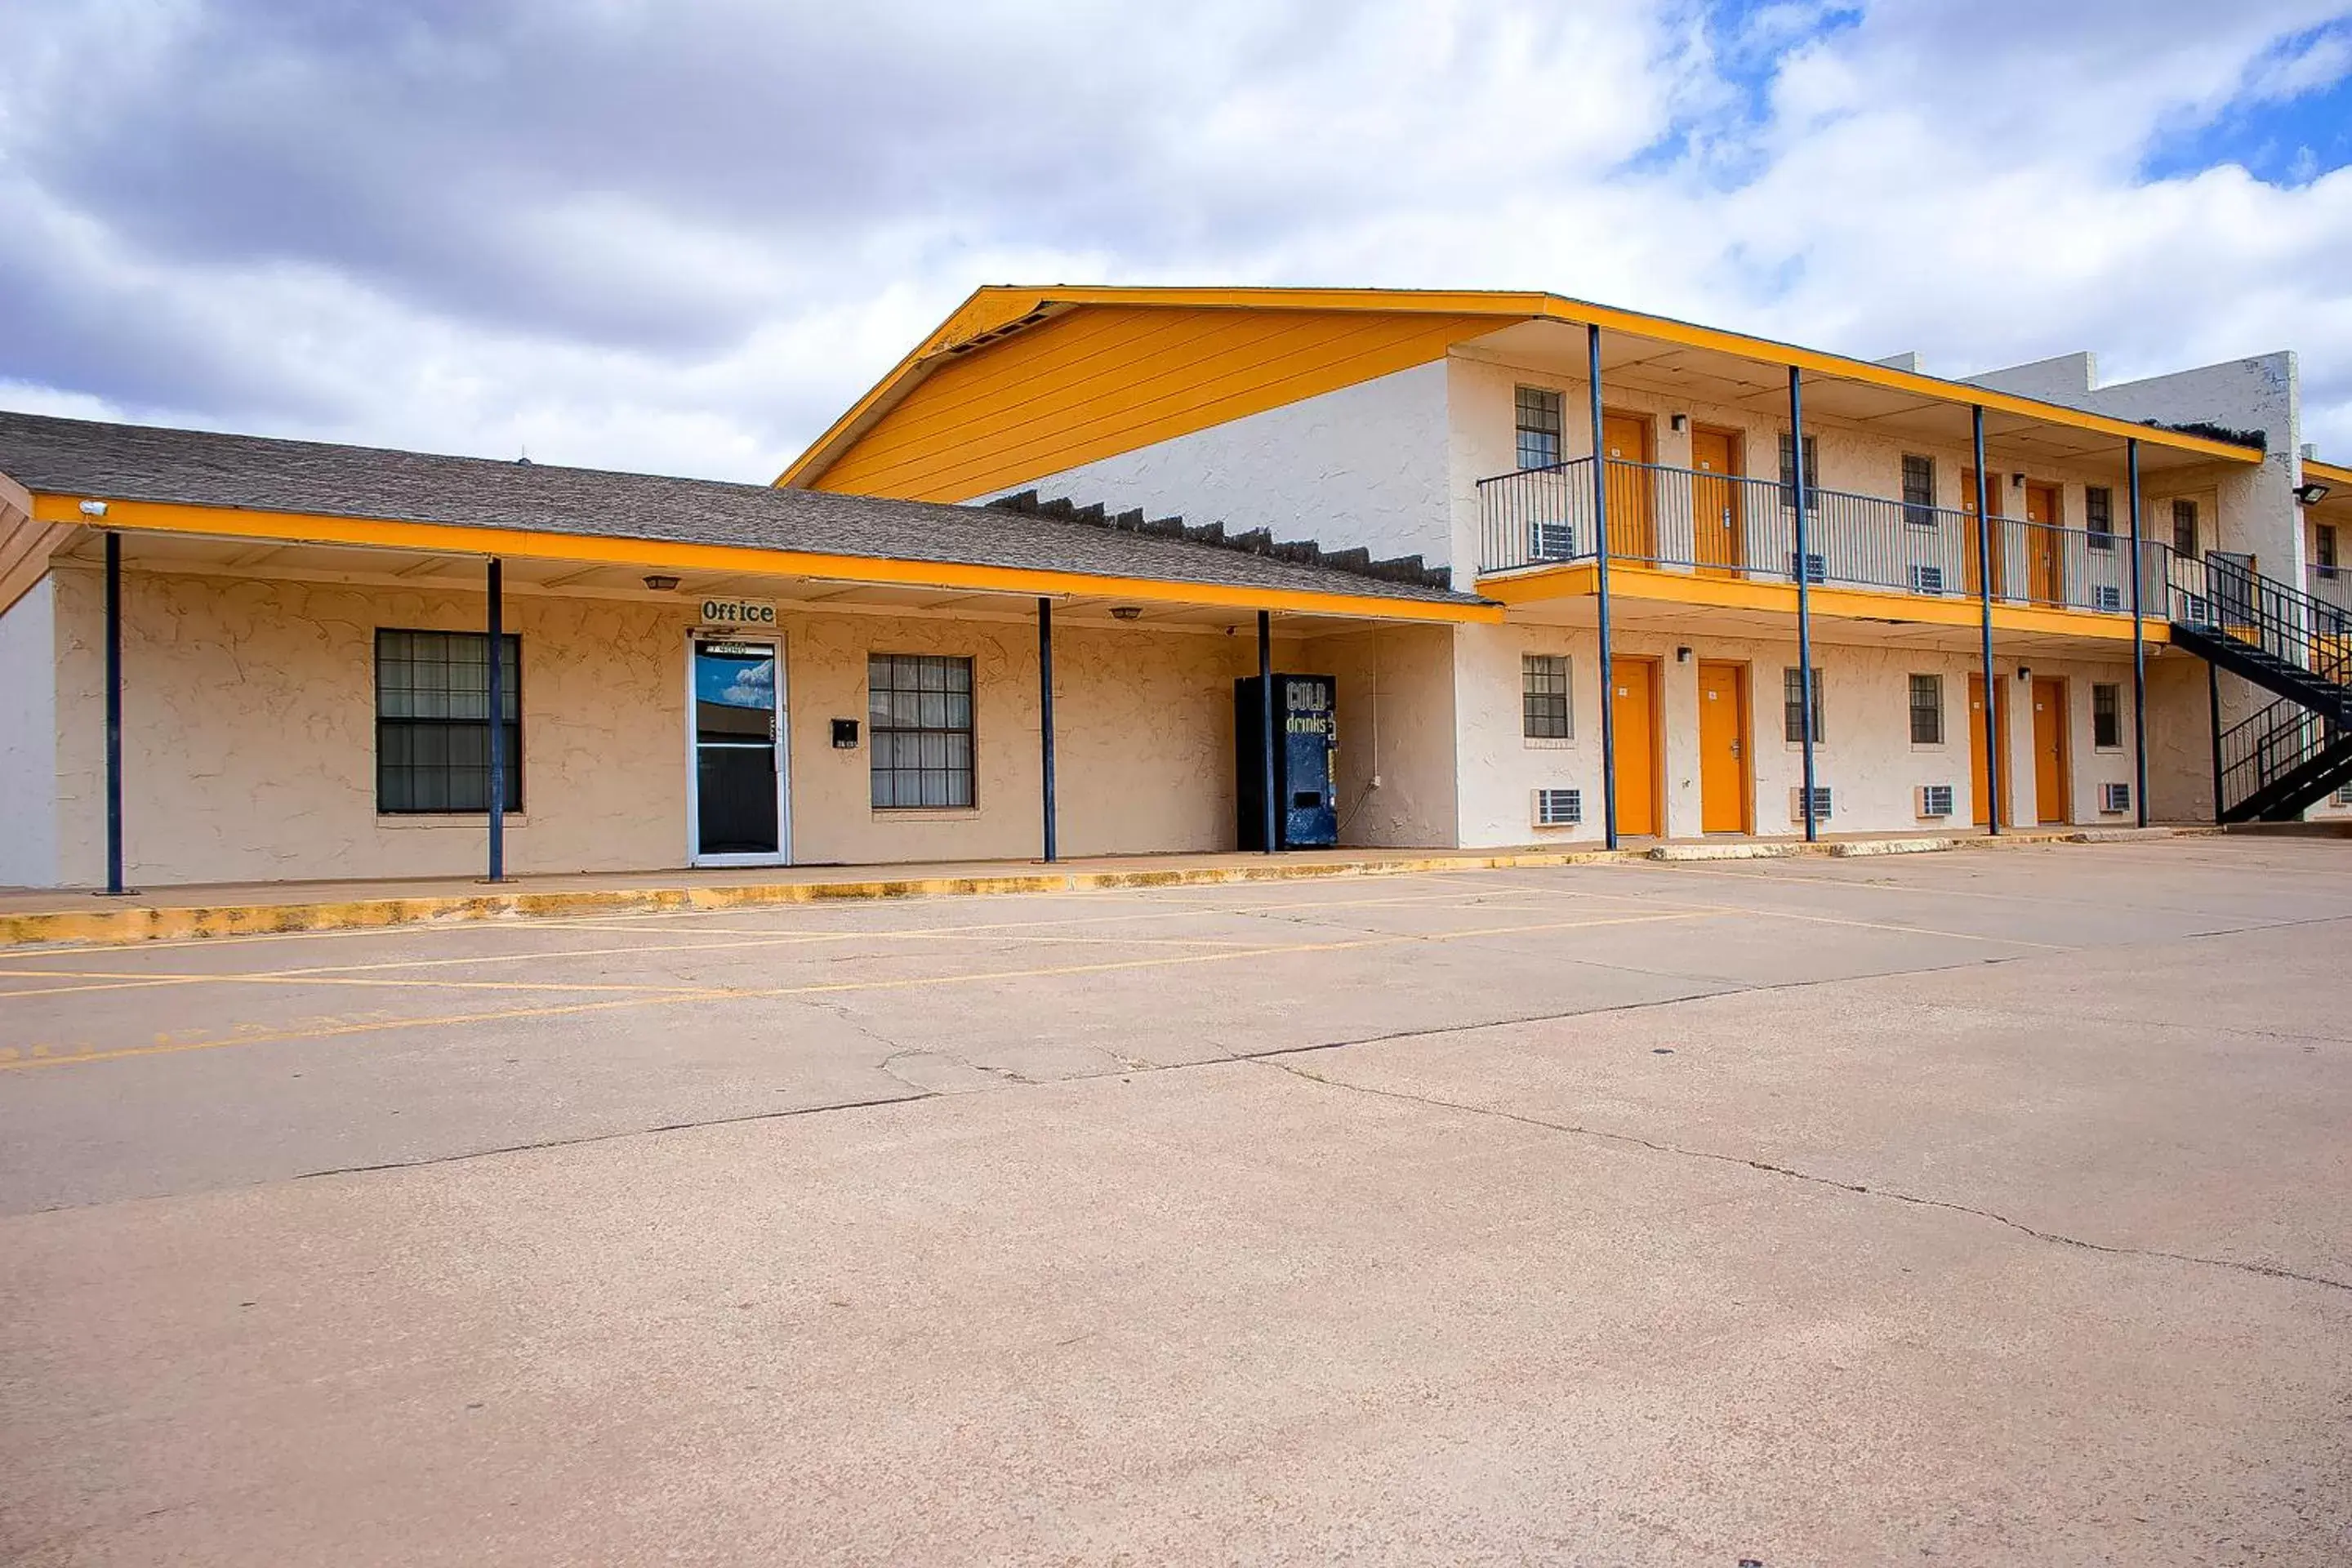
{"points": [[465, 540], [996, 312]]}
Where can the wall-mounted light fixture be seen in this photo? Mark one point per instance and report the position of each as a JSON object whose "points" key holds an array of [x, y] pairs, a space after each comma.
{"points": [[660, 583], [1126, 612], [1678, 423], [2017, 480], [2311, 494], [2023, 673], [93, 509], [1682, 655]]}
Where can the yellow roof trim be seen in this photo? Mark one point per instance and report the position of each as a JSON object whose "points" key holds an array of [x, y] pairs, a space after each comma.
{"points": [[994, 309], [1546, 584], [465, 540], [2326, 473]]}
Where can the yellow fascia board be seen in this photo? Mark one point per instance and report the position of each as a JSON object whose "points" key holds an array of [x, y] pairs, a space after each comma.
{"points": [[2326, 473], [1650, 585], [995, 306], [465, 540]]}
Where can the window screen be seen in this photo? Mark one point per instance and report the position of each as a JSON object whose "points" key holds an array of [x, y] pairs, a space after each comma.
{"points": [[1792, 688], [1926, 710], [1789, 472], [1539, 426], [1543, 696], [2099, 516], [918, 712], [1919, 490], [2184, 530], [432, 722], [2107, 715]]}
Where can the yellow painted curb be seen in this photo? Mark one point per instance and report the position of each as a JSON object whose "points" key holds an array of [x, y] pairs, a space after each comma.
{"points": [[118, 925]]}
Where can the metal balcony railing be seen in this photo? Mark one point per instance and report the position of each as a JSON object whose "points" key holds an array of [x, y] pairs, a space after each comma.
{"points": [[1731, 526]]}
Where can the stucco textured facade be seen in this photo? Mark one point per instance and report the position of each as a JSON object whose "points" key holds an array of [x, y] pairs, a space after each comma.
{"points": [[249, 735]]}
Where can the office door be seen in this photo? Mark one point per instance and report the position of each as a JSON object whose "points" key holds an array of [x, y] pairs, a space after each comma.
{"points": [[1723, 747], [1636, 714], [738, 777], [2052, 775], [1718, 522]]}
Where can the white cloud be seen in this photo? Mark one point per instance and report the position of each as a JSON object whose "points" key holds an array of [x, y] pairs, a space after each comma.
{"points": [[631, 236]]}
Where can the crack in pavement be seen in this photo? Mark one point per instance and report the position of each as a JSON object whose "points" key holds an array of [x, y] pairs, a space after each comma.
{"points": [[1770, 1168]]}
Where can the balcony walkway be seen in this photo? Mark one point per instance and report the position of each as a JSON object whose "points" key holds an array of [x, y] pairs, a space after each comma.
{"points": [[30, 915]]}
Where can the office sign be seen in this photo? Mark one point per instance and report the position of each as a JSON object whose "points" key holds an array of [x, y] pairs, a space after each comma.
{"points": [[760, 613]]}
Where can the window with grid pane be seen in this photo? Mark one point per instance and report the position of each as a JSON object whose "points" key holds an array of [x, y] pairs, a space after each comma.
{"points": [[2323, 544], [919, 716], [1789, 472], [2099, 516], [1919, 490], [1926, 710], [1792, 700], [2184, 530], [432, 720], [1543, 696], [1539, 426], [2107, 714]]}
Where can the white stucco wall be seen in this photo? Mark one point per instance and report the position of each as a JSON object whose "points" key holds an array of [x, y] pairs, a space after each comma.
{"points": [[1866, 757], [28, 740], [250, 740], [2066, 378], [1397, 767], [1364, 466]]}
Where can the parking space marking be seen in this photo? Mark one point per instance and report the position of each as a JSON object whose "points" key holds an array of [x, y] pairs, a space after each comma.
{"points": [[175, 1047]]}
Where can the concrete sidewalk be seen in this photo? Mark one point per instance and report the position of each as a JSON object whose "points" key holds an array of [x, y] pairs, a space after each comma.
{"points": [[247, 909]]}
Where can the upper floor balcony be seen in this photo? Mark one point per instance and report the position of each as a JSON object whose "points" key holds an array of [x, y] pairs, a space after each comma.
{"points": [[1707, 537]]}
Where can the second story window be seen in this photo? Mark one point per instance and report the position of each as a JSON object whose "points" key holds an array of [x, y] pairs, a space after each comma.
{"points": [[1919, 490], [2323, 549], [1789, 472], [1539, 426], [2099, 516], [2184, 530]]}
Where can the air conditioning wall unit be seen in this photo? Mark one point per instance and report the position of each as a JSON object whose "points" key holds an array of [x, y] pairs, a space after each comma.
{"points": [[1927, 579], [1559, 808], [2107, 596], [1821, 804], [1816, 567], [1933, 800], [2114, 798], [1551, 541]]}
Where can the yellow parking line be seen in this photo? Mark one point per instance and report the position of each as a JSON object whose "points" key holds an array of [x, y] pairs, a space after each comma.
{"points": [[827, 988], [121, 982]]}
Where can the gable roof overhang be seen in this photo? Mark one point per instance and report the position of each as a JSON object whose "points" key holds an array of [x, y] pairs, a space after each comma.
{"points": [[1699, 362]]}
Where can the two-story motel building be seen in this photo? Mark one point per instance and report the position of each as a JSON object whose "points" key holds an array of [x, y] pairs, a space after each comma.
{"points": [[225, 659]]}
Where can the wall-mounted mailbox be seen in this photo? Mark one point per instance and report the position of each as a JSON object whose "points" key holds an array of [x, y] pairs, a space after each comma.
{"points": [[845, 735], [1306, 761]]}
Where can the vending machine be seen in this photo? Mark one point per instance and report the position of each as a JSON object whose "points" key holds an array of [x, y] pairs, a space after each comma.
{"points": [[1306, 760]]}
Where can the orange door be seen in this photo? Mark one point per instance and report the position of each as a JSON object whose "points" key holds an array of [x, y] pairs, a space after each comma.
{"points": [[2045, 572], [2049, 770], [1970, 563], [1723, 748], [1983, 803], [1635, 713], [1720, 524], [1633, 522]]}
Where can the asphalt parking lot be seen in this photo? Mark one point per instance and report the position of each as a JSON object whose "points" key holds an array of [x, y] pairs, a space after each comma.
{"points": [[1977, 1207]]}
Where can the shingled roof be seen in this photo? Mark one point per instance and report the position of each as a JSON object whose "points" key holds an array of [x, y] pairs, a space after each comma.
{"points": [[151, 463]]}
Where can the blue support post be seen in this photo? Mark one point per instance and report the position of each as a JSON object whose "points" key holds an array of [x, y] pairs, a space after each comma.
{"points": [[1045, 719], [1601, 582], [498, 724], [1984, 588], [1804, 590], [2139, 641], [114, 715], [1265, 722]]}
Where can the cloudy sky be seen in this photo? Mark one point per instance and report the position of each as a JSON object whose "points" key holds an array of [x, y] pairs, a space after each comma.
{"points": [[683, 235]]}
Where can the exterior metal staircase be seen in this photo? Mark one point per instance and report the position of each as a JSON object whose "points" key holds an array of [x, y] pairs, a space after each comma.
{"points": [[2272, 765]]}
